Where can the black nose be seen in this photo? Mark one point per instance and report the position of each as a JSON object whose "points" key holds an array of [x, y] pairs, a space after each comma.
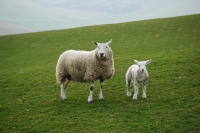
{"points": [[101, 54], [142, 70]]}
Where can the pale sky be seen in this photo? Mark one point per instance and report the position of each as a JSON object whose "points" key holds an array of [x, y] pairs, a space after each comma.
{"points": [[22, 16]]}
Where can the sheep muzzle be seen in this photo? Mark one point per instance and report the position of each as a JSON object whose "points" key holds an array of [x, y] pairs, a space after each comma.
{"points": [[101, 55]]}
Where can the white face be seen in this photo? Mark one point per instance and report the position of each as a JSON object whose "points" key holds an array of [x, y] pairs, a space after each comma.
{"points": [[102, 48], [142, 65]]}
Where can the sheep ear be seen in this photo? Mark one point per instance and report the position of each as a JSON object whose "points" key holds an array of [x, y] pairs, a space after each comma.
{"points": [[135, 61], [108, 43], [95, 43], [148, 61]]}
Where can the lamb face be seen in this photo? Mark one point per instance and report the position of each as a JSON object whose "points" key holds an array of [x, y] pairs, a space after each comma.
{"points": [[142, 65]]}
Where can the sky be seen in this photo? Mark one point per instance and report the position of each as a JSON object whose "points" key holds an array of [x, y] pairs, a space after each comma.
{"points": [[23, 16]]}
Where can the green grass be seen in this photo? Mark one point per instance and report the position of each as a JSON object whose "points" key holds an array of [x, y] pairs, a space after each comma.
{"points": [[30, 97]]}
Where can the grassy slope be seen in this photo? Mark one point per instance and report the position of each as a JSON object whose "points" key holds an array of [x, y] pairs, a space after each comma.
{"points": [[30, 98]]}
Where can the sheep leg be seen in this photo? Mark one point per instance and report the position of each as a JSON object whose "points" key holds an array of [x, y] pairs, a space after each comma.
{"points": [[128, 85], [100, 92], [135, 90], [63, 89], [90, 97], [144, 90]]}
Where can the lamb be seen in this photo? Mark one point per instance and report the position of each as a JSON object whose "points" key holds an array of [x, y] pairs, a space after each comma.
{"points": [[85, 66], [137, 73]]}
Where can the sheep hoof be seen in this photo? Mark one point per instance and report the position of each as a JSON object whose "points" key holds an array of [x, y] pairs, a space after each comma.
{"points": [[135, 97], [90, 99], [101, 98], [128, 94], [144, 96], [64, 98]]}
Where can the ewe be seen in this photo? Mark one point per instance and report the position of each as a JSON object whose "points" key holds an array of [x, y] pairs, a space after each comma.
{"points": [[137, 73], [85, 66]]}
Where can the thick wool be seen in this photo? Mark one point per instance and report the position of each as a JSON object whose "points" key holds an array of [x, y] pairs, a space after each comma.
{"points": [[84, 66]]}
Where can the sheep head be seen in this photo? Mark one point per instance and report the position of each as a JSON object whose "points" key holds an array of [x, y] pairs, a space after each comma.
{"points": [[102, 48], [142, 64]]}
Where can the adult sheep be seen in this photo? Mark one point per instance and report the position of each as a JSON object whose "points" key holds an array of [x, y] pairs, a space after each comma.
{"points": [[85, 66], [137, 73]]}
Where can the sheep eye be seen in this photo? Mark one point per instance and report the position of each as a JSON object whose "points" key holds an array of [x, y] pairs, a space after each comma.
{"points": [[106, 47]]}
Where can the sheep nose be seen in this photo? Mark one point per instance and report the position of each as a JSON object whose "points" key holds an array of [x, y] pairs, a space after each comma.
{"points": [[101, 54], [142, 70]]}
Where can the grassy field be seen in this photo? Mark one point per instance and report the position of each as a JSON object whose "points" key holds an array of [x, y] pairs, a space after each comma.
{"points": [[30, 97]]}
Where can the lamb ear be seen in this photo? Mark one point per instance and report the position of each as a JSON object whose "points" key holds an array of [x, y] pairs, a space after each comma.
{"points": [[148, 61], [135, 61], [108, 43], [95, 43]]}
